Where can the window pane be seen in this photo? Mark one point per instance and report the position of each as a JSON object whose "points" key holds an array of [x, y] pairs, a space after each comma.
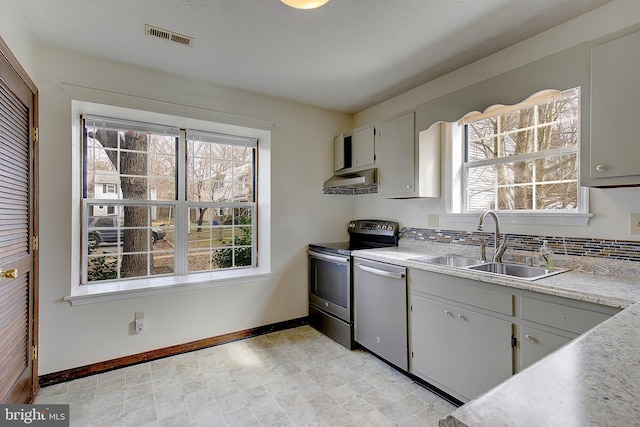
{"points": [[483, 129], [223, 239], [481, 149], [517, 119], [558, 135], [515, 197], [129, 243], [128, 159], [557, 168], [481, 195], [557, 196], [220, 172]]}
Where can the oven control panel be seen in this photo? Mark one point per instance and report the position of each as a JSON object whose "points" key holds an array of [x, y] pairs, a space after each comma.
{"points": [[376, 227]]}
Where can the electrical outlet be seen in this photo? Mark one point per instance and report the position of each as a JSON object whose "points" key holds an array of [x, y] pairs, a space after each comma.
{"points": [[433, 220], [634, 223], [138, 317]]}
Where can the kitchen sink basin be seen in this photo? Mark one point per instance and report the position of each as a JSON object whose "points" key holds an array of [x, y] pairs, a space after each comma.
{"points": [[515, 270], [450, 260]]}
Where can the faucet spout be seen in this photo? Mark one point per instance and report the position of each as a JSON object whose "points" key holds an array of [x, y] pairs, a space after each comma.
{"points": [[499, 247]]}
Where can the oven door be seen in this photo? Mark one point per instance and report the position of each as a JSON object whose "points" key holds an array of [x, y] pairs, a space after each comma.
{"points": [[330, 284]]}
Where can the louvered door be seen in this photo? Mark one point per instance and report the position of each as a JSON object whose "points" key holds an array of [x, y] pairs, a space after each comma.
{"points": [[18, 296]]}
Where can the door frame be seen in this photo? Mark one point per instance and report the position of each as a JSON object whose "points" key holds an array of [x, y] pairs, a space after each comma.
{"points": [[13, 80]]}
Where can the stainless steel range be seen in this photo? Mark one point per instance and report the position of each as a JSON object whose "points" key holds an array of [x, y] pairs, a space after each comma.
{"points": [[330, 276]]}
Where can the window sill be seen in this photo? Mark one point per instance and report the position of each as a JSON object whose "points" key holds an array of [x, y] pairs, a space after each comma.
{"points": [[527, 218], [114, 291]]}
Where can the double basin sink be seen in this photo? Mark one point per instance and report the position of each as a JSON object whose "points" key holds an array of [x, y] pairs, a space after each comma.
{"points": [[498, 268]]}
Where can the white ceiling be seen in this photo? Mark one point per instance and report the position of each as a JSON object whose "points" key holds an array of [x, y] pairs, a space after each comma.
{"points": [[347, 56]]}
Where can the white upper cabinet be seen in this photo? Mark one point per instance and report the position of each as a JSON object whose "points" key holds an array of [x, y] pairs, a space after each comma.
{"points": [[407, 167], [615, 112], [363, 150], [395, 157]]}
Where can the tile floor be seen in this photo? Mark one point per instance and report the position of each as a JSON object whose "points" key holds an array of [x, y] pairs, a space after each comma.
{"points": [[296, 377]]}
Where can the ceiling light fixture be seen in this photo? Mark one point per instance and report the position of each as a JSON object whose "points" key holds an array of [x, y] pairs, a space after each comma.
{"points": [[305, 4]]}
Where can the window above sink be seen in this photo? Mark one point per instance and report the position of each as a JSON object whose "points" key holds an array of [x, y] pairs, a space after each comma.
{"points": [[520, 160]]}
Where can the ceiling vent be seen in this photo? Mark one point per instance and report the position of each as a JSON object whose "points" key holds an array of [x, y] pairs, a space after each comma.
{"points": [[168, 35]]}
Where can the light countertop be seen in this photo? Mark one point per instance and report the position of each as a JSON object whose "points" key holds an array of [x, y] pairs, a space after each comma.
{"points": [[593, 380]]}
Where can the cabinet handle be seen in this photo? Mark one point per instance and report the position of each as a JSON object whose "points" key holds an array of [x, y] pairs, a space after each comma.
{"points": [[601, 168], [447, 313], [461, 317], [529, 338]]}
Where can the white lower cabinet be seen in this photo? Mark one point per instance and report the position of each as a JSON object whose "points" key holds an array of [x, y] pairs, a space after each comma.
{"points": [[536, 344], [460, 349], [454, 346], [483, 356], [432, 330], [467, 336]]}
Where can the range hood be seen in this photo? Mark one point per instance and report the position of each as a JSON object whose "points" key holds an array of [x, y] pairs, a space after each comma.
{"points": [[353, 179]]}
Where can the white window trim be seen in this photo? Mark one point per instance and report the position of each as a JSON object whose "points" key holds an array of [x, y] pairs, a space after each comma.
{"points": [[118, 290], [454, 155]]}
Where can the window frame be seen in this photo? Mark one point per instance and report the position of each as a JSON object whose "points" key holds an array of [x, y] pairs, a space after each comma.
{"points": [[455, 158], [125, 289]]}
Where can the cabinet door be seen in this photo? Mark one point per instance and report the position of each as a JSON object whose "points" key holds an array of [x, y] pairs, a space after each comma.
{"points": [[432, 340], [363, 147], [395, 156], [615, 103], [535, 344], [483, 356]]}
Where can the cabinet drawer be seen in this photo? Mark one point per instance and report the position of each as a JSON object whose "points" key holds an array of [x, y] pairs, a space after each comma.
{"points": [[559, 316], [460, 290]]}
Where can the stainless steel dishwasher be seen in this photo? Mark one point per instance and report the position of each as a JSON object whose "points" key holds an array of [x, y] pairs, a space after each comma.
{"points": [[380, 308]]}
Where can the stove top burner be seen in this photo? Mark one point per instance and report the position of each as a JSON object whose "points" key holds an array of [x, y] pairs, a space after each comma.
{"points": [[364, 234]]}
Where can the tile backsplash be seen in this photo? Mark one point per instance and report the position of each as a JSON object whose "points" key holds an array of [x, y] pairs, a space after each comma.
{"points": [[621, 250]]}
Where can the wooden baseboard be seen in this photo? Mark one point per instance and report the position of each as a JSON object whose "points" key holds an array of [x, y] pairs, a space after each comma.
{"points": [[122, 362]]}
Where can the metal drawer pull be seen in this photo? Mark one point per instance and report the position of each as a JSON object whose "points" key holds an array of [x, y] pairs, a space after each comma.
{"points": [[461, 317], [448, 313], [381, 272], [529, 338]]}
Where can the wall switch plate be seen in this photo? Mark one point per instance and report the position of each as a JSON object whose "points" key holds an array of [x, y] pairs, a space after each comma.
{"points": [[634, 223], [433, 220]]}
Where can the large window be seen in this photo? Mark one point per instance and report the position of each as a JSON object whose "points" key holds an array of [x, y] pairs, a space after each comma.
{"points": [[524, 157], [176, 201]]}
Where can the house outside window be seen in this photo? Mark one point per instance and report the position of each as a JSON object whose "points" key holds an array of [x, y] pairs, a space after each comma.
{"points": [[178, 207], [523, 158]]}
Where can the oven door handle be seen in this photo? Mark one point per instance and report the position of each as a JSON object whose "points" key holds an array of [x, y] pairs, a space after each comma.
{"points": [[328, 257], [379, 272]]}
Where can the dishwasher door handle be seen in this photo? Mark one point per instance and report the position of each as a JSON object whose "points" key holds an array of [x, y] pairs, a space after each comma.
{"points": [[379, 272]]}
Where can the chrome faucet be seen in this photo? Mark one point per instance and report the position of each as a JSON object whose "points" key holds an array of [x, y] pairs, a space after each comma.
{"points": [[500, 247]]}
